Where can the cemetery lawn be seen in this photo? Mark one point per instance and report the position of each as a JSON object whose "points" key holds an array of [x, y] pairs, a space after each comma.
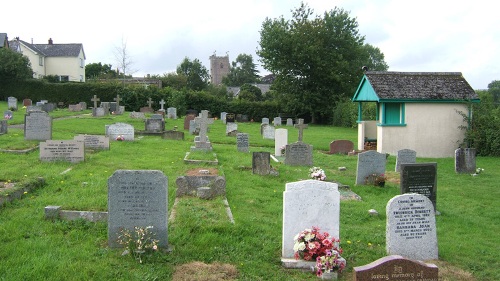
{"points": [[32, 248]]}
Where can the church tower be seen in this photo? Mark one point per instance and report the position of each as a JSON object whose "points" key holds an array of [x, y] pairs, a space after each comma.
{"points": [[219, 68]]}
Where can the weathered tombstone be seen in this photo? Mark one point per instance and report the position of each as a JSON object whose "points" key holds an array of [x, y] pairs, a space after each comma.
{"points": [[173, 135], [113, 107], [193, 127], [93, 141], [301, 126], [156, 116], [172, 113], [137, 198], [268, 131], [62, 150], [230, 118], [83, 105], [411, 227], [120, 131], [187, 119], [261, 163], [298, 154], [306, 204], [37, 126], [465, 160], [419, 178], [341, 147], [154, 125], [74, 107], [230, 127], [27, 102], [396, 268], [48, 107], [265, 121], [223, 117], [99, 111], [280, 140], [277, 121], [289, 122], [12, 103], [7, 114], [3, 127], [203, 143], [369, 163], [242, 142], [32, 108], [203, 186], [405, 156], [105, 106], [137, 115]]}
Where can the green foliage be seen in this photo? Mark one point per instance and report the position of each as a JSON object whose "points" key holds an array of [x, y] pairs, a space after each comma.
{"points": [[375, 60], [250, 93], [243, 71], [345, 113], [174, 80], [99, 71], [196, 74], [14, 66]]}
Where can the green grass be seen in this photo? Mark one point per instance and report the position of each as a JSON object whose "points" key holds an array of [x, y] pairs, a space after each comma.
{"points": [[32, 248]]}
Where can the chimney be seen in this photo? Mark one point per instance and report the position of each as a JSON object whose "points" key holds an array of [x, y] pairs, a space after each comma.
{"points": [[50, 41]]}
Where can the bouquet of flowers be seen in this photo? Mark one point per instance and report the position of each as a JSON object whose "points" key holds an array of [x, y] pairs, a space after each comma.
{"points": [[317, 173], [7, 117], [312, 245], [120, 138], [138, 243]]}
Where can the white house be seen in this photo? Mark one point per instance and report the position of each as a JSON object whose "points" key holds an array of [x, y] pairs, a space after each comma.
{"points": [[64, 60], [418, 111]]}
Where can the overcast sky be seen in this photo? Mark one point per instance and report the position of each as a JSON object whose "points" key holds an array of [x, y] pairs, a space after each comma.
{"points": [[418, 36]]}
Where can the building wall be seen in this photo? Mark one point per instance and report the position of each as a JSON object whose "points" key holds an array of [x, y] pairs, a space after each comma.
{"points": [[66, 66], [432, 130], [219, 68], [38, 70]]}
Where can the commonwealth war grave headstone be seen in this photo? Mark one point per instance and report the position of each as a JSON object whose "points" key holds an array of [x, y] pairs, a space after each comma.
{"points": [[369, 163], [411, 227], [137, 198], [62, 150], [231, 127], [37, 126], [405, 156], [280, 140], [306, 204], [242, 142], [419, 178], [465, 160], [396, 268]]}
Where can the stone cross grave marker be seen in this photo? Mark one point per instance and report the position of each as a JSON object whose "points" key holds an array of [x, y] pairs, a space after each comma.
{"points": [[280, 140], [405, 156], [117, 100], [95, 99], [419, 178], [411, 227], [62, 150], [465, 160], [162, 103], [37, 126], [369, 162], [138, 198], [301, 126], [242, 142], [204, 121], [150, 102], [397, 268], [261, 163], [306, 204]]}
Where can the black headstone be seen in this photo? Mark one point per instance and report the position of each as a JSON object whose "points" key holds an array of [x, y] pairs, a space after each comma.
{"points": [[419, 178]]}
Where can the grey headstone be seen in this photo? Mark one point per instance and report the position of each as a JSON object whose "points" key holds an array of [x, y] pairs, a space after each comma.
{"points": [[306, 204], [37, 126], [172, 113], [419, 178], [32, 108], [242, 142], [299, 154], [112, 106], [138, 198], [268, 132], [8, 114], [369, 162], [173, 135], [62, 150], [405, 156], [230, 127], [223, 117], [411, 227], [74, 107], [192, 126], [94, 141], [261, 163], [120, 129], [3, 127], [289, 122], [12, 103], [280, 140], [277, 121], [154, 125], [48, 107], [465, 160], [98, 111], [265, 121], [156, 116], [137, 115], [83, 105]]}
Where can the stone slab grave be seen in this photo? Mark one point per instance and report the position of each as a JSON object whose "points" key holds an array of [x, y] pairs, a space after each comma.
{"points": [[242, 143], [12, 103], [120, 130], [411, 227], [62, 150], [154, 125], [3, 127], [396, 268], [94, 142], [74, 107], [419, 178], [138, 198], [280, 140], [172, 113], [369, 162], [261, 163], [173, 134], [306, 204], [406, 156], [341, 147], [37, 126], [202, 142], [204, 186], [268, 132], [137, 115], [465, 160], [231, 127]]}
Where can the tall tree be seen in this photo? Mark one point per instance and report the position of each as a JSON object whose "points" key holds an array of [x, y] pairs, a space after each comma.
{"points": [[99, 70], [124, 60], [14, 66], [317, 60], [196, 74], [243, 70], [376, 59]]}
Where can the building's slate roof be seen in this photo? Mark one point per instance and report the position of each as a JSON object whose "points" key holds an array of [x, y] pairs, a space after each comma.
{"points": [[55, 50], [420, 86]]}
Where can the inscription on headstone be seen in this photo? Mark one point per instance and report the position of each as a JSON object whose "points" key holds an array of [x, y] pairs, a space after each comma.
{"points": [[94, 141], [120, 129], [465, 160], [37, 126], [419, 178], [62, 150], [396, 268], [299, 154], [242, 142]]}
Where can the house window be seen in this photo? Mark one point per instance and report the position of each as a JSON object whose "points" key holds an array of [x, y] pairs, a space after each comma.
{"points": [[40, 60], [393, 114], [82, 63], [64, 78]]}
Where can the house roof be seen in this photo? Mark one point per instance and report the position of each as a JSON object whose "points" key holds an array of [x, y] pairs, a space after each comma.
{"points": [[56, 50], [389, 86]]}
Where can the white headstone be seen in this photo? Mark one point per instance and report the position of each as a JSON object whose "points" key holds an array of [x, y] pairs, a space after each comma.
{"points": [[120, 129], [230, 126], [280, 140], [277, 121], [172, 113], [411, 227], [306, 204], [12, 103]]}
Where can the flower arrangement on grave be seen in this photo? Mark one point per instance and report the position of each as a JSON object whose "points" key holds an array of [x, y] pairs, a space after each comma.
{"points": [[283, 150], [312, 245], [7, 117], [120, 138], [317, 173], [478, 171], [139, 243], [376, 179]]}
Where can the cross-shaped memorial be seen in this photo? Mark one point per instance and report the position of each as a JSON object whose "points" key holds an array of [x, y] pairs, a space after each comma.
{"points": [[201, 142], [301, 126], [118, 99], [162, 103], [150, 102], [95, 99]]}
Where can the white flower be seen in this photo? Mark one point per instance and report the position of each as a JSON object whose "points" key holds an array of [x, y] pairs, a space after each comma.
{"points": [[299, 246]]}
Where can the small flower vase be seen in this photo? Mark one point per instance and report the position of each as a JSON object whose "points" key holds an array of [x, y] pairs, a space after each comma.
{"points": [[329, 275]]}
